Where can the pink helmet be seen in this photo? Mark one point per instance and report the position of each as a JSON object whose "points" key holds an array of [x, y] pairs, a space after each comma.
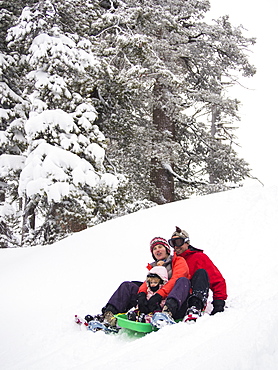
{"points": [[160, 271]]}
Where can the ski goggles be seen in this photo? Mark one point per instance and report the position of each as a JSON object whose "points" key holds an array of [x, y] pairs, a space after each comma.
{"points": [[177, 242], [152, 275]]}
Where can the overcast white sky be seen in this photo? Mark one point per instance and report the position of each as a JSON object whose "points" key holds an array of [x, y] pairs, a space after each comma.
{"points": [[258, 129]]}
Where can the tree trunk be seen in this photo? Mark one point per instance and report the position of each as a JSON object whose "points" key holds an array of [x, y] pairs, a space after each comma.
{"points": [[214, 113], [162, 182], [28, 222], [62, 220]]}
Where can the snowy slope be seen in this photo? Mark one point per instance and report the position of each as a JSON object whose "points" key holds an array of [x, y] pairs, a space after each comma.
{"points": [[43, 287]]}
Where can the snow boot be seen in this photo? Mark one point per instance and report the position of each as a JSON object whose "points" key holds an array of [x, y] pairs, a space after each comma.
{"points": [[167, 310], [95, 326], [171, 307], [131, 315], [110, 319], [192, 314], [99, 317], [161, 319]]}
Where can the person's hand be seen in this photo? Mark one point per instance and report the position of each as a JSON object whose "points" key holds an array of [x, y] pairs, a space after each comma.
{"points": [[153, 302], [142, 302], [218, 306], [159, 263]]}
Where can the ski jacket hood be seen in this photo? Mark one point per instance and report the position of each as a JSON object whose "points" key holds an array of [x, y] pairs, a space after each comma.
{"points": [[194, 250]]}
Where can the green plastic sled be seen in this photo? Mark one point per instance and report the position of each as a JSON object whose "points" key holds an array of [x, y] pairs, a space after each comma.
{"points": [[139, 327]]}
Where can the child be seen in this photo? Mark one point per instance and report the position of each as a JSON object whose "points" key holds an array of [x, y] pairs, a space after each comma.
{"points": [[156, 278]]}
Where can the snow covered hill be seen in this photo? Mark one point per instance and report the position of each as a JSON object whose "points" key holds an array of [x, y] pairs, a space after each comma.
{"points": [[43, 287]]}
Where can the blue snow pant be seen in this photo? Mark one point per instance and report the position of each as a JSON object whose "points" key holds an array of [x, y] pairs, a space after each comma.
{"points": [[125, 297]]}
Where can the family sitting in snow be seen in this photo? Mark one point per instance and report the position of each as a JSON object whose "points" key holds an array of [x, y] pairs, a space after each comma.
{"points": [[177, 285]]}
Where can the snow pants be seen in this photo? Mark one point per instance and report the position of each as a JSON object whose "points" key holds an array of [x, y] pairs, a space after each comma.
{"points": [[125, 297], [200, 289], [198, 296]]}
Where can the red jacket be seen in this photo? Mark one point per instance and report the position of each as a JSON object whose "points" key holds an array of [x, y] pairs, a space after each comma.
{"points": [[179, 269], [196, 259]]}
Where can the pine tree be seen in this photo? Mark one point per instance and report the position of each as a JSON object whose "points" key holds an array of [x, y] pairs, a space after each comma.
{"points": [[167, 71], [63, 184], [12, 113]]}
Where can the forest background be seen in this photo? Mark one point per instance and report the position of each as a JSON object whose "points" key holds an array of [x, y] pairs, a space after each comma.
{"points": [[108, 107]]}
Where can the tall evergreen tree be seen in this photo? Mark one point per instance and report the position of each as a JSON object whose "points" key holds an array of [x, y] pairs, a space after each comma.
{"points": [[168, 70], [64, 183], [13, 111]]}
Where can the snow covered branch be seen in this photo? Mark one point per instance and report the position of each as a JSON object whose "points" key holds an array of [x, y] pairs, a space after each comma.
{"points": [[169, 168]]}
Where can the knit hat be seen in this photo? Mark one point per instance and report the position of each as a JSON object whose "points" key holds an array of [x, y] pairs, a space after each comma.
{"points": [[161, 271], [181, 234], [159, 241]]}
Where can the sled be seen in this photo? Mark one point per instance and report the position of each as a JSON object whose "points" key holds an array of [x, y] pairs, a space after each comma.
{"points": [[135, 326]]}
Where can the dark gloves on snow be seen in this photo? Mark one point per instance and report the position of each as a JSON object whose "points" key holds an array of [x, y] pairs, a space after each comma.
{"points": [[153, 302], [142, 303], [218, 306]]}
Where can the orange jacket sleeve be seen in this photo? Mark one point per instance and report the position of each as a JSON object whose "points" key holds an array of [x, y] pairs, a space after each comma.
{"points": [[179, 269], [143, 288]]}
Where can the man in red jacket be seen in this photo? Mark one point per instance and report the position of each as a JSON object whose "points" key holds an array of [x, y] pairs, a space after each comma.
{"points": [[204, 275]]}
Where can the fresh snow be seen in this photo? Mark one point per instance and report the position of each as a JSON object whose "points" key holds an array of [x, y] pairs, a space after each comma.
{"points": [[43, 287]]}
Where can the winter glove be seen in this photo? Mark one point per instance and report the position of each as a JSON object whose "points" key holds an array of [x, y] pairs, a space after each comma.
{"points": [[142, 302], [218, 306], [153, 302]]}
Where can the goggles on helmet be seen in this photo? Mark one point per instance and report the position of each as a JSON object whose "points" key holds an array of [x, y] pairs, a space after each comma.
{"points": [[177, 242], [151, 274]]}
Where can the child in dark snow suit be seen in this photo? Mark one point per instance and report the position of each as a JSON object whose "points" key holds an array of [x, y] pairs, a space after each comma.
{"points": [[156, 278]]}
